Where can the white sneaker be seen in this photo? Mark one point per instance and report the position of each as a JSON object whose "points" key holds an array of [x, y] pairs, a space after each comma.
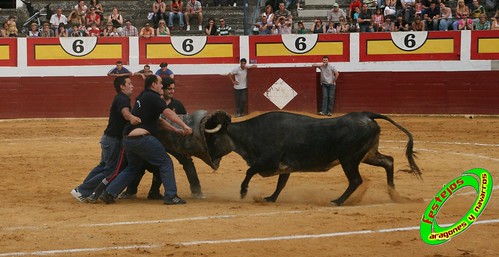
{"points": [[235, 4], [200, 27], [77, 195], [188, 27]]}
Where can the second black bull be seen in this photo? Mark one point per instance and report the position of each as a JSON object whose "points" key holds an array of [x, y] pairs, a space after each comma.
{"points": [[279, 143]]}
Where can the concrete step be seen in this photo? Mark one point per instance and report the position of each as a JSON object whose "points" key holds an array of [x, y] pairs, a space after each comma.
{"points": [[313, 13], [319, 2]]}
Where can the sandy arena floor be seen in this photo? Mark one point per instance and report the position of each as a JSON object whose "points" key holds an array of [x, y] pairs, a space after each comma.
{"points": [[42, 160]]}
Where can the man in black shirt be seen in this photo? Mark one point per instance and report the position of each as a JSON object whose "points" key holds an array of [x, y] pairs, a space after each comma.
{"points": [[364, 19], [119, 114], [142, 146], [186, 161]]}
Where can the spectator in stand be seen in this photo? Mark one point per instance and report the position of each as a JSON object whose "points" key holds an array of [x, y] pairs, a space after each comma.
{"points": [[269, 12], [92, 16], [119, 70], [461, 11], [260, 28], [94, 31], [46, 30], [425, 4], [465, 23], [354, 26], [159, 10], [144, 72], [408, 10], [301, 28], [223, 29], [193, 9], [418, 7], [210, 29], [76, 32], [81, 9], [116, 19], [344, 27], [58, 18], [445, 18], [282, 11], [335, 14], [75, 20], [418, 25], [330, 28], [318, 27], [164, 72], [495, 21], [129, 30], [61, 31], [3, 30], [147, 31], [98, 7], [162, 30], [110, 31], [476, 10], [365, 19], [372, 5], [378, 20], [401, 24], [284, 26], [33, 31], [176, 11], [432, 17], [388, 25], [483, 23], [12, 26], [353, 4], [390, 9], [356, 13]]}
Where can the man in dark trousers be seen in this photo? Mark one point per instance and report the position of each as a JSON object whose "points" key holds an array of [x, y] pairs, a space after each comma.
{"points": [[142, 146], [186, 161], [119, 114]]}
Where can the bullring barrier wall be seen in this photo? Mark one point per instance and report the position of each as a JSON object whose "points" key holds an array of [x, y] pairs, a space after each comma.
{"points": [[412, 72]]}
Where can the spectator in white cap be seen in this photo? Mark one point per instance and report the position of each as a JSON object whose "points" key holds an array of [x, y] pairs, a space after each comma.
{"points": [[335, 14]]}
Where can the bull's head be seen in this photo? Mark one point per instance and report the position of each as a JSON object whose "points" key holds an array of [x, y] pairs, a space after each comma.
{"points": [[207, 140]]}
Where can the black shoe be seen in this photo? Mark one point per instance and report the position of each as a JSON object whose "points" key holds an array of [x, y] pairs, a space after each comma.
{"points": [[155, 196], [106, 197], [92, 198], [174, 200]]}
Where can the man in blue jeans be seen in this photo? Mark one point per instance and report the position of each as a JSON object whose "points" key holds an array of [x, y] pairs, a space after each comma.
{"points": [[142, 146], [119, 114], [329, 75]]}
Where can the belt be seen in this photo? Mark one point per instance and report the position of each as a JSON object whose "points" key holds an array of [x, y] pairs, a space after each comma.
{"points": [[137, 137]]}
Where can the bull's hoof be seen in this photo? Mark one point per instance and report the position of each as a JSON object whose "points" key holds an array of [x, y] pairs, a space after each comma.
{"points": [[243, 193], [269, 199], [336, 202]]}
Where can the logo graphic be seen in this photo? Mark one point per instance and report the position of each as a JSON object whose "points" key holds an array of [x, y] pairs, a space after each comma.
{"points": [[481, 180]]}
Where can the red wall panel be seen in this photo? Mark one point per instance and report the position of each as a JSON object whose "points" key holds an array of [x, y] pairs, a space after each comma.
{"points": [[384, 92]]}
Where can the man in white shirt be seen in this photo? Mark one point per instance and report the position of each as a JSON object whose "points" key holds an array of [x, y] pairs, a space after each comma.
{"points": [[57, 19], [238, 76]]}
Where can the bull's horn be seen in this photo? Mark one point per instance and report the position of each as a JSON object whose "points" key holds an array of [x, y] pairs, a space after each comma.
{"points": [[213, 130]]}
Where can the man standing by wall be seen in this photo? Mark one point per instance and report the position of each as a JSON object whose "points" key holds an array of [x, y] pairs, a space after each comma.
{"points": [[329, 75], [238, 76]]}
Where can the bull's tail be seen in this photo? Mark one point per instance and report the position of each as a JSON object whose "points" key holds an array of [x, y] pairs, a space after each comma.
{"points": [[409, 153]]}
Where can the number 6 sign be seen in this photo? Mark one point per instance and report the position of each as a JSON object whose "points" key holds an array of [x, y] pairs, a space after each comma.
{"points": [[78, 46], [409, 41]]}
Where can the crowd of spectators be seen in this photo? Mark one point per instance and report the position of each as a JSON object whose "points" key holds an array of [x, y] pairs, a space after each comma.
{"points": [[384, 16], [90, 19]]}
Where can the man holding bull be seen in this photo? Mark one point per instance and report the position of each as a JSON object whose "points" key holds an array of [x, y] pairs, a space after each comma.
{"points": [[142, 146]]}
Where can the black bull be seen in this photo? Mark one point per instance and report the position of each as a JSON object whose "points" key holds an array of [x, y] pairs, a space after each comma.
{"points": [[279, 143]]}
